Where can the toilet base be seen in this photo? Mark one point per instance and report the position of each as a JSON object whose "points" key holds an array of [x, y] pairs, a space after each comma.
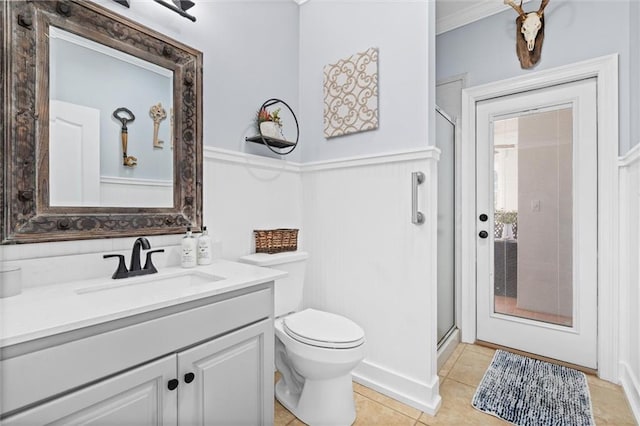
{"points": [[322, 402]]}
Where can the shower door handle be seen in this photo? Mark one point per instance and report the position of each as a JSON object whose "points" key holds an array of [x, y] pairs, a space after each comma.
{"points": [[417, 217]]}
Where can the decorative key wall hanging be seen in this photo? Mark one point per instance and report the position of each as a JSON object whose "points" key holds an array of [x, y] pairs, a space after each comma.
{"points": [[121, 114], [157, 114]]}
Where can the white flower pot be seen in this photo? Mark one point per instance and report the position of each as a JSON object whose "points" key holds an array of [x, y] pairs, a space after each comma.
{"points": [[270, 129], [507, 231]]}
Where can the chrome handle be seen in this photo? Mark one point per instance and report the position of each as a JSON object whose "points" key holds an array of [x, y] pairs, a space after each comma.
{"points": [[416, 216]]}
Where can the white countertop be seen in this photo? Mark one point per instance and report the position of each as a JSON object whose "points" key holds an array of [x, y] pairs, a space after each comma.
{"points": [[46, 311]]}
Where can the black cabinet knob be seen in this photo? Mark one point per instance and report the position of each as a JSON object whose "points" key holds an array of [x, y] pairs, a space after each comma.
{"points": [[483, 217], [172, 384], [188, 378], [483, 234]]}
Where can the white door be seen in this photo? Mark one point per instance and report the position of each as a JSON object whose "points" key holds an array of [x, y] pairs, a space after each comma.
{"points": [[536, 222], [74, 155], [224, 381]]}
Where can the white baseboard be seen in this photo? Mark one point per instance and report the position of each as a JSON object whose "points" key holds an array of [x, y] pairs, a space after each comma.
{"points": [[423, 396], [631, 386]]}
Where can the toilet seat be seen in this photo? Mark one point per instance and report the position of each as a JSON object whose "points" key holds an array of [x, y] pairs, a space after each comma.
{"points": [[323, 329]]}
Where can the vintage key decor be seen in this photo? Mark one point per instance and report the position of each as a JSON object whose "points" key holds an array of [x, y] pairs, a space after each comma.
{"points": [[157, 114], [125, 116]]}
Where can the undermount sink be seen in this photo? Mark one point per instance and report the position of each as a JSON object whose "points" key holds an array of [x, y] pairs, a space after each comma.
{"points": [[181, 278]]}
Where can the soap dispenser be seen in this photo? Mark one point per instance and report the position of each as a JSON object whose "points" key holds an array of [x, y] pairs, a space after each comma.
{"points": [[204, 248], [188, 250]]}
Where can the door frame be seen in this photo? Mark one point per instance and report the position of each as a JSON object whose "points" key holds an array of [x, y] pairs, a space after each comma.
{"points": [[605, 70]]}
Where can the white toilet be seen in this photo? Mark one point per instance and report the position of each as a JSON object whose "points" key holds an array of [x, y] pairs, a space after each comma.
{"points": [[315, 350]]}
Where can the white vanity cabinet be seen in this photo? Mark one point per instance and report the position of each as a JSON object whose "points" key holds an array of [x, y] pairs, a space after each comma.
{"points": [[207, 362], [136, 397], [229, 376]]}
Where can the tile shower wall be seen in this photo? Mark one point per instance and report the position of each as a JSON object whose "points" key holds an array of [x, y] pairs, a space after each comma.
{"points": [[630, 277], [369, 263]]}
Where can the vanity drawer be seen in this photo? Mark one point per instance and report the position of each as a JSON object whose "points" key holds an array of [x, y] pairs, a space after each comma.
{"points": [[42, 374]]}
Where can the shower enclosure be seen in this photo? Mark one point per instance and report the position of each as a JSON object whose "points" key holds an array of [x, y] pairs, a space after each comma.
{"points": [[445, 141]]}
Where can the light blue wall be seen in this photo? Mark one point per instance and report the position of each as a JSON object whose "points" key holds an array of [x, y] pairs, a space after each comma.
{"points": [[575, 31], [254, 50], [250, 54], [335, 29]]}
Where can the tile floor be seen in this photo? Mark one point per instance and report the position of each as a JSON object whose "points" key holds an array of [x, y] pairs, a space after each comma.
{"points": [[459, 377]]}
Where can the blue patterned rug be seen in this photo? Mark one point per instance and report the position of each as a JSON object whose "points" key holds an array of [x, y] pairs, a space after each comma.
{"points": [[528, 392]]}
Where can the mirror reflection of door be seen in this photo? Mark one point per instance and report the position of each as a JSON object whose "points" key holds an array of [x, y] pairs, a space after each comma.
{"points": [[109, 79], [74, 134]]}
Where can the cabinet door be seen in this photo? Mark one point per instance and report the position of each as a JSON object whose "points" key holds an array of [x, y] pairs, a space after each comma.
{"points": [[232, 382], [136, 397]]}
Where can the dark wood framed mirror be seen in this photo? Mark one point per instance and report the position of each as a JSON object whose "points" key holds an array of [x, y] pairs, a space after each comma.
{"points": [[36, 205]]}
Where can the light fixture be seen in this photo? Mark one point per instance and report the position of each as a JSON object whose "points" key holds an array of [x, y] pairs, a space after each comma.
{"points": [[180, 6], [184, 4]]}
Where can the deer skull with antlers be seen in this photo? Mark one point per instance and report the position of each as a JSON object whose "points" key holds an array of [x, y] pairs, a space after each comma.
{"points": [[530, 33]]}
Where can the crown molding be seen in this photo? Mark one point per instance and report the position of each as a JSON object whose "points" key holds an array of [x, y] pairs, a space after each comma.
{"points": [[480, 10]]}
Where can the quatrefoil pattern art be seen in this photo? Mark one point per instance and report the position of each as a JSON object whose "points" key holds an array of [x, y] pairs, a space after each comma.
{"points": [[351, 94]]}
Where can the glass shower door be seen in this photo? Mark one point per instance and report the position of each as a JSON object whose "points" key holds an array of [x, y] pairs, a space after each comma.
{"points": [[445, 140]]}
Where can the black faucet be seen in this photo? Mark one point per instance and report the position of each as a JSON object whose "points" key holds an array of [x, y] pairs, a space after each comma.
{"points": [[134, 266]]}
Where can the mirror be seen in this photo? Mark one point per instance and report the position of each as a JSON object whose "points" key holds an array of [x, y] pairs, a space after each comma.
{"points": [[102, 126], [85, 138]]}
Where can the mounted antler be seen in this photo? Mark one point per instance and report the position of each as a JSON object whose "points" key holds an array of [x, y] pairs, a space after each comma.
{"points": [[517, 7], [544, 4], [530, 33]]}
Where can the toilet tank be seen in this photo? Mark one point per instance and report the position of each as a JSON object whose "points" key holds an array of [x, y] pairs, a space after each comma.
{"points": [[288, 291]]}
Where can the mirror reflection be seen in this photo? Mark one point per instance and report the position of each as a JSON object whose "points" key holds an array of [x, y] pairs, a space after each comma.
{"points": [[111, 126]]}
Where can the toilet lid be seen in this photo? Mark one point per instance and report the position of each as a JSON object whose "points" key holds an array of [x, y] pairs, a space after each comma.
{"points": [[323, 329]]}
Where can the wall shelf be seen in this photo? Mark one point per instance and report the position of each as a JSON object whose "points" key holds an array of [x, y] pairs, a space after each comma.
{"points": [[274, 142]]}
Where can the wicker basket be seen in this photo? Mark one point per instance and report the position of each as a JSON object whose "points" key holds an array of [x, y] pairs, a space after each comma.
{"points": [[276, 240]]}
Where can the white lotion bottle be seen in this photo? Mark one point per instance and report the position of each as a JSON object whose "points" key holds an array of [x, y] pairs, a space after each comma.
{"points": [[188, 258], [204, 248]]}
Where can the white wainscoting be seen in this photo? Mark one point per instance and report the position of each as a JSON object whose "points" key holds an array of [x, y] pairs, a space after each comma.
{"points": [[630, 277], [369, 263], [243, 192], [118, 191]]}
